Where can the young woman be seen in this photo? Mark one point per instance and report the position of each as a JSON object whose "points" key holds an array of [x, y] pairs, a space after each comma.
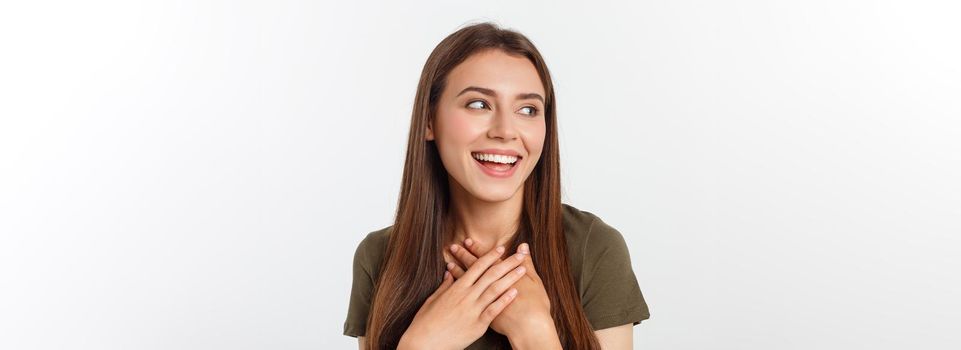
{"points": [[482, 253]]}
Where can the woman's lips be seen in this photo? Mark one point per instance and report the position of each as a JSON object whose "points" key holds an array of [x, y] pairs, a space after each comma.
{"points": [[494, 172]]}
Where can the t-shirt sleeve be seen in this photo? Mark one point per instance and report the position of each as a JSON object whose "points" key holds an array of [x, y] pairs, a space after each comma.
{"points": [[361, 289], [611, 296]]}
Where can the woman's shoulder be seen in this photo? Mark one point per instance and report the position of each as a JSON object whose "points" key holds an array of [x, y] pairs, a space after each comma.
{"points": [[377, 237], [590, 240], [370, 250], [581, 226], [602, 270]]}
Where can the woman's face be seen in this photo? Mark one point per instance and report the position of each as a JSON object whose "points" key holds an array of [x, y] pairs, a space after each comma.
{"points": [[492, 108]]}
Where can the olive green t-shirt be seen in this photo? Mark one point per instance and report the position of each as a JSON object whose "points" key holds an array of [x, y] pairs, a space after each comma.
{"points": [[600, 264]]}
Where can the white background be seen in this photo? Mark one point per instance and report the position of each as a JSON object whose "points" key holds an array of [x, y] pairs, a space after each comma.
{"points": [[197, 174]]}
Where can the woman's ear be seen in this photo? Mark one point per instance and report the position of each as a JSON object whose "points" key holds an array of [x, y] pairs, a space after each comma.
{"points": [[430, 131]]}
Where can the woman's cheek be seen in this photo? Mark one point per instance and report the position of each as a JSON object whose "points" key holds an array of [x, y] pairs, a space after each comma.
{"points": [[464, 128], [534, 138]]}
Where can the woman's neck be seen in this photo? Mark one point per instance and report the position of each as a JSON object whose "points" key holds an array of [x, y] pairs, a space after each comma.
{"points": [[487, 224]]}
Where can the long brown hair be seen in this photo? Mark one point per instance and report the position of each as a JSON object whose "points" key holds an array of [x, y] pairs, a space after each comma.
{"points": [[413, 265]]}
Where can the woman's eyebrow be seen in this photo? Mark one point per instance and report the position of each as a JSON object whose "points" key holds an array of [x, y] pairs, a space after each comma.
{"points": [[489, 92]]}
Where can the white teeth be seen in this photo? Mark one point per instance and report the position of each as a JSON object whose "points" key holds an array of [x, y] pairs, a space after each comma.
{"points": [[497, 158]]}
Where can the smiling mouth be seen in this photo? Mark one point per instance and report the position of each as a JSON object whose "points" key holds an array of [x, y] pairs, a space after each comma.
{"points": [[496, 162]]}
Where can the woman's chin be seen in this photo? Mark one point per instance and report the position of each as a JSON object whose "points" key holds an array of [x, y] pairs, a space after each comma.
{"points": [[498, 194]]}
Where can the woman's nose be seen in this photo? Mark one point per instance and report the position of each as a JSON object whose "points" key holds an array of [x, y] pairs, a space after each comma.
{"points": [[502, 126]]}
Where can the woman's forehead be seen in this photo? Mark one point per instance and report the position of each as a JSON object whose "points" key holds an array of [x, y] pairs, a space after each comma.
{"points": [[498, 71]]}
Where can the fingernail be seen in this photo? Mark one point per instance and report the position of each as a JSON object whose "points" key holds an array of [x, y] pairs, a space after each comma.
{"points": [[524, 248], [512, 293], [453, 248], [500, 249], [468, 242], [450, 266], [521, 270], [446, 274]]}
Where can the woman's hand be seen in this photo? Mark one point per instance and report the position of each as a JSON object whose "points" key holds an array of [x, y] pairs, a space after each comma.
{"points": [[459, 312], [531, 311]]}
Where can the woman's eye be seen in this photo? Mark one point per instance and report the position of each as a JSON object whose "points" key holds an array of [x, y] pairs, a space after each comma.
{"points": [[477, 104], [530, 110]]}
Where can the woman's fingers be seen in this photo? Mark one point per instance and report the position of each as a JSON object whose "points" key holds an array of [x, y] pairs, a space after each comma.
{"points": [[444, 285], [455, 270], [448, 280], [469, 245], [528, 263], [503, 284], [466, 257], [496, 307], [495, 273], [480, 266]]}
